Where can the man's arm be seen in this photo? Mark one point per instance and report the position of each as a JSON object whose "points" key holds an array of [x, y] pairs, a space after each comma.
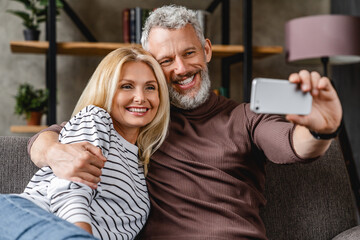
{"points": [[79, 162], [37, 152], [325, 116]]}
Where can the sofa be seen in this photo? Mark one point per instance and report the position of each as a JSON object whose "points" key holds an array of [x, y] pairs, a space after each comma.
{"points": [[305, 201]]}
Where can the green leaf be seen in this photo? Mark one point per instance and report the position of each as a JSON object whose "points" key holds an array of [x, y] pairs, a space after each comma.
{"points": [[58, 3], [29, 99], [26, 3], [23, 15], [27, 21], [37, 12]]}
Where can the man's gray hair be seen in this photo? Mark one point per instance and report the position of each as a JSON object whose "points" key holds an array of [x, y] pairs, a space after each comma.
{"points": [[171, 17]]}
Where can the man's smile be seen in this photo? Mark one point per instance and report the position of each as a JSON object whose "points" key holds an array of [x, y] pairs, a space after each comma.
{"points": [[186, 83]]}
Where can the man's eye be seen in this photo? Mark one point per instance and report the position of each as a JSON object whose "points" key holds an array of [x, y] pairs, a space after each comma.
{"points": [[189, 53], [165, 62]]}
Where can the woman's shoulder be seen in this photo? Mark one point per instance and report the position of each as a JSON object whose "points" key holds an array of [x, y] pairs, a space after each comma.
{"points": [[93, 110], [95, 113]]}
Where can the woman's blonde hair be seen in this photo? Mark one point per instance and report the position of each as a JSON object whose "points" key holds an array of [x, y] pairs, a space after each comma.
{"points": [[102, 86]]}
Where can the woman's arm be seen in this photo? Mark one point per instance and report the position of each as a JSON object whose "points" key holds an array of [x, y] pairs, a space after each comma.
{"points": [[70, 200]]}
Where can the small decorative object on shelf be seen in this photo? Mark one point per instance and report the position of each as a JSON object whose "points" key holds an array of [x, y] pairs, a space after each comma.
{"points": [[31, 103], [36, 12]]}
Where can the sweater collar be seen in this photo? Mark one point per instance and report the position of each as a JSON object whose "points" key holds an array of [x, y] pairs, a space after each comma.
{"points": [[203, 109]]}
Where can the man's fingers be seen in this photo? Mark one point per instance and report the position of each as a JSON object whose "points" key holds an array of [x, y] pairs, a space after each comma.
{"points": [[88, 158], [315, 78], [294, 78], [305, 80], [87, 167], [93, 185], [80, 162], [94, 150]]}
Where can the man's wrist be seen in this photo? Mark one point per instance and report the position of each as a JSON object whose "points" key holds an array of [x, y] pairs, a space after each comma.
{"points": [[49, 153], [327, 136]]}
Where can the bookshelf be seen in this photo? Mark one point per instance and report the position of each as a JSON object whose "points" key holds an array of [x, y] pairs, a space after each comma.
{"points": [[27, 129], [103, 48]]}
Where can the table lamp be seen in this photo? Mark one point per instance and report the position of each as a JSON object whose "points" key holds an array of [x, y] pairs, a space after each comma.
{"points": [[327, 39], [323, 39]]}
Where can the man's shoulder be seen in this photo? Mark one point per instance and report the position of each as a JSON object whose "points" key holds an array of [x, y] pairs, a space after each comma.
{"points": [[225, 103]]}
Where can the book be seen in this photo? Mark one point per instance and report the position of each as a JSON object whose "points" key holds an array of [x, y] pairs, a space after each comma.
{"points": [[136, 20], [138, 24], [126, 25], [132, 26]]}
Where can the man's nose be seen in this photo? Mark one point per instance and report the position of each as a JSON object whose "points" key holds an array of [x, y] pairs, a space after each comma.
{"points": [[180, 67]]}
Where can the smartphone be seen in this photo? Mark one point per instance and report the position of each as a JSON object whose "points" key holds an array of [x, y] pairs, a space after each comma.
{"points": [[276, 96]]}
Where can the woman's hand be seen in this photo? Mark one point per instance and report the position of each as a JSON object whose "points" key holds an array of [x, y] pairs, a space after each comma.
{"points": [[85, 226]]}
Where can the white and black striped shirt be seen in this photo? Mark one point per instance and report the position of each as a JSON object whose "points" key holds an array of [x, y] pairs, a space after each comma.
{"points": [[119, 207]]}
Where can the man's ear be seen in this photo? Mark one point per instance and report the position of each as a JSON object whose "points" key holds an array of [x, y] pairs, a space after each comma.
{"points": [[208, 50]]}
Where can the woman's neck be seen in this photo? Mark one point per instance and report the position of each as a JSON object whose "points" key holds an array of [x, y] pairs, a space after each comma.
{"points": [[129, 134]]}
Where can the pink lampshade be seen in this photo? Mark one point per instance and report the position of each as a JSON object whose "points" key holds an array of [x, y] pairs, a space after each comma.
{"points": [[334, 36]]}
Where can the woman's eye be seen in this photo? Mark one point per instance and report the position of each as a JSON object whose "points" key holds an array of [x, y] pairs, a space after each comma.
{"points": [[126, 86], [151, 87]]}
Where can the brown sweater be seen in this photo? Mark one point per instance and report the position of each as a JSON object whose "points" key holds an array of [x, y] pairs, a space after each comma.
{"points": [[207, 179]]}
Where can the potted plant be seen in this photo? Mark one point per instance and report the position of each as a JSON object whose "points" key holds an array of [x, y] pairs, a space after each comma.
{"points": [[36, 13], [31, 103]]}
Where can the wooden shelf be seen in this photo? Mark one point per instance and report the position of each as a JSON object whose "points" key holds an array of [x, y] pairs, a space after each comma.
{"points": [[27, 129], [102, 48]]}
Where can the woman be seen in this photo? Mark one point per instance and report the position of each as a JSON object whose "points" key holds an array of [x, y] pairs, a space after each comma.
{"points": [[124, 110]]}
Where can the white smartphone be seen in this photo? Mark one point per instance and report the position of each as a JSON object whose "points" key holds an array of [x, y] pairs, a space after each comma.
{"points": [[275, 96]]}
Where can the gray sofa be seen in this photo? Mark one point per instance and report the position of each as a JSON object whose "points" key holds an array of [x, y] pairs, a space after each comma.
{"points": [[305, 201]]}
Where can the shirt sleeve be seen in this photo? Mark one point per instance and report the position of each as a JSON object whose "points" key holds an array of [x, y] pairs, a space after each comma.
{"points": [[70, 200], [273, 135]]}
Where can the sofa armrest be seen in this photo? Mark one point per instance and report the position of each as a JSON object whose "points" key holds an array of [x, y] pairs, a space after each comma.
{"points": [[16, 167], [350, 234]]}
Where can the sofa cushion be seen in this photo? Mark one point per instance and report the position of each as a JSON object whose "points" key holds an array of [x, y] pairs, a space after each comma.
{"points": [[309, 201]]}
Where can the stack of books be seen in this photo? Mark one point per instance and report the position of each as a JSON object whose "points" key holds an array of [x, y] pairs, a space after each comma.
{"points": [[133, 22]]}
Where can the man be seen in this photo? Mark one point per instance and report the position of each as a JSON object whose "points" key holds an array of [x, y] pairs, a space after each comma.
{"points": [[206, 181]]}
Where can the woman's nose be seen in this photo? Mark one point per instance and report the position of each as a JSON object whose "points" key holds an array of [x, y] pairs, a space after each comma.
{"points": [[139, 97]]}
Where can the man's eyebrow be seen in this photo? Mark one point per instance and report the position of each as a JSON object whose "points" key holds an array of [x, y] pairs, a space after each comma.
{"points": [[189, 48]]}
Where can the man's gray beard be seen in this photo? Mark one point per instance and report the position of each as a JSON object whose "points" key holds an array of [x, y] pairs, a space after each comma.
{"points": [[187, 102]]}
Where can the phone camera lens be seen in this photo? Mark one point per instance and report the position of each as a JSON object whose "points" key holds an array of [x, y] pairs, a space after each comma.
{"points": [[257, 108]]}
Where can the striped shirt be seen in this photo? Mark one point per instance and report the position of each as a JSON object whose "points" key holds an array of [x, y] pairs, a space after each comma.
{"points": [[119, 207]]}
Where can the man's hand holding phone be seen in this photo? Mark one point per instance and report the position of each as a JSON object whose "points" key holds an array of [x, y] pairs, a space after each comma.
{"points": [[307, 99], [326, 113]]}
